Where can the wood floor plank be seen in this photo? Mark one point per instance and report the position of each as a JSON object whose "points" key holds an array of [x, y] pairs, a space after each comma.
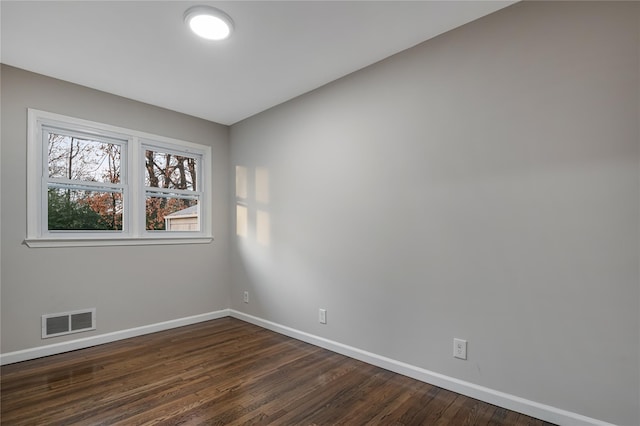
{"points": [[226, 372], [380, 393], [387, 414], [472, 413]]}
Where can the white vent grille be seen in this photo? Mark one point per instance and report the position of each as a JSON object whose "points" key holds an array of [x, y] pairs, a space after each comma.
{"points": [[68, 322]]}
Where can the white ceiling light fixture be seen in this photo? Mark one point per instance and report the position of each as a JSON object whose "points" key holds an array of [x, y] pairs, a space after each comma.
{"points": [[208, 22]]}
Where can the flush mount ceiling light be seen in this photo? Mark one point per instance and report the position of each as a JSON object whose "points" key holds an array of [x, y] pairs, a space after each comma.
{"points": [[208, 22]]}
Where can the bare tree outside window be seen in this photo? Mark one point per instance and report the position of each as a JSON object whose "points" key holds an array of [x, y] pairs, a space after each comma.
{"points": [[90, 183], [169, 172], [71, 161]]}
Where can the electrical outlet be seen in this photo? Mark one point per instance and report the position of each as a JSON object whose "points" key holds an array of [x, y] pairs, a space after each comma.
{"points": [[459, 348], [245, 297], [322, 317]]}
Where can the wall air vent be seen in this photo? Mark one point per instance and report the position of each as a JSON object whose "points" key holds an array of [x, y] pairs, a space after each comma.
{"points": [[68, 322]]}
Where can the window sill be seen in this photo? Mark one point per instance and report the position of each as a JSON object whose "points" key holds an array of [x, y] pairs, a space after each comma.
{"points": [[104, 242]]}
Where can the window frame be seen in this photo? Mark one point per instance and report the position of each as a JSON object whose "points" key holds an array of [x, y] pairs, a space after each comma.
{"points": [[145, 144], [47, 181], [133, 144]]}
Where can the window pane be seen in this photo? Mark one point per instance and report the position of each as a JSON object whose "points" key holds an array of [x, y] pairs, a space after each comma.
{"points": [[72, 209], [172, 214], [82, 159], [164, 170]]}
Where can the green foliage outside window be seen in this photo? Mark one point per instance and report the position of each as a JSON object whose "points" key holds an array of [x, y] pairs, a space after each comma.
{"points": [[67, 214]]}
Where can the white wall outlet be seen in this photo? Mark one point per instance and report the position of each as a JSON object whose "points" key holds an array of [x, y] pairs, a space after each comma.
{"points": [[322, 316], [245, 297], [460, 348]]}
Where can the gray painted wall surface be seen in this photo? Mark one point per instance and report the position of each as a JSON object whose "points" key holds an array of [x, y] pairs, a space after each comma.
{"points": [[129, 286], [483, 185]]}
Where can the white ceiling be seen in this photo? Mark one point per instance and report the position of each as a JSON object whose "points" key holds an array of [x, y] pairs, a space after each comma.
{"points": [[142, 50]]}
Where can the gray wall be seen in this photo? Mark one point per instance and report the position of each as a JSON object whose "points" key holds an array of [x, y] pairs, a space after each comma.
{"points": [[129, 286], [482, 185]]}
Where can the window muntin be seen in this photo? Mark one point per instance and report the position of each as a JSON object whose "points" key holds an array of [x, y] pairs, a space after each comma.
{"points": [[95, 184]]}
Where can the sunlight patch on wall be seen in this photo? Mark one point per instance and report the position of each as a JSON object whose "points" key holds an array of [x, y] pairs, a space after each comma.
{"points": [[241, 220], [262, 185], [263, 228], [241, 182], [252, 199]]}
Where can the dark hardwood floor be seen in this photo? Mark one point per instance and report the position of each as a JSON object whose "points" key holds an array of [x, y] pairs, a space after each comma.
{"points": [[226, 372]]}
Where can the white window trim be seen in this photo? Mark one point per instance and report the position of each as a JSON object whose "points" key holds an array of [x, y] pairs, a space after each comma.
{"points": [[134, 232]]}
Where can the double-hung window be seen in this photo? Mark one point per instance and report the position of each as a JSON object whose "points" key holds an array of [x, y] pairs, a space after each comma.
{"points": [[171, 189], [95, 184], [82, 183]]}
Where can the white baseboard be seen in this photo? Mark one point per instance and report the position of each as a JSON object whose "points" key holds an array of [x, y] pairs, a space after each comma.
{"points": [[86, 342], [501, 399]]}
